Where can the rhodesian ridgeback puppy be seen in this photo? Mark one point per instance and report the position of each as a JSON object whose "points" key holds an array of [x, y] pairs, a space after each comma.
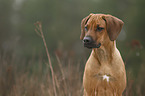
{"points": [[104, 73]]}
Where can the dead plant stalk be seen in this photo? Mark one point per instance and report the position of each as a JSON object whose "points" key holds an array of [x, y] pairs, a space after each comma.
{"points": [[39, 31]]}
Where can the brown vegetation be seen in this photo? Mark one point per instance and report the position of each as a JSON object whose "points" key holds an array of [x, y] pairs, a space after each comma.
{"points": [[35, 77]]}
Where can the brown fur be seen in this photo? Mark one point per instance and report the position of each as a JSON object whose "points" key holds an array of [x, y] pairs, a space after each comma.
{"points": [[105, 60]]}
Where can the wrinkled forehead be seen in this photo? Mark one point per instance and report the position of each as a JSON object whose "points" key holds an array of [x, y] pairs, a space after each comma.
{"points": [[96, 19]]}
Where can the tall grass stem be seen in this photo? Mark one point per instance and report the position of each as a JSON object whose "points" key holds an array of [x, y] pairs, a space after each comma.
{"points": [[39, 31]]}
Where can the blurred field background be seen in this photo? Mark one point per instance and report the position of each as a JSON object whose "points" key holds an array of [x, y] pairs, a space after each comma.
{"points": [[24, 66]]}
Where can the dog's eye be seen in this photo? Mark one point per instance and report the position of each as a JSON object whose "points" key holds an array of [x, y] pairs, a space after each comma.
{"points": [[99, 28], [86, 28]]}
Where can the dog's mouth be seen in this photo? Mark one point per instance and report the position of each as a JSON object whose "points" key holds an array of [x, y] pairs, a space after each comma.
{"points": [[92, 45]]}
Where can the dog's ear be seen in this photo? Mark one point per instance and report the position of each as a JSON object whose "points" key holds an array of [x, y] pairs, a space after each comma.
{"points": [[83, 23], [114, 26]]}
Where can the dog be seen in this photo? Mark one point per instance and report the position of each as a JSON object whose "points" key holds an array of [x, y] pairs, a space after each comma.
{"points": [[104, 73]]}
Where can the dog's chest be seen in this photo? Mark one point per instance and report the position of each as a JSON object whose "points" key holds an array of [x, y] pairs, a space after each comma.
{"points": [[100, 73], [101, 76], [102, 80]]}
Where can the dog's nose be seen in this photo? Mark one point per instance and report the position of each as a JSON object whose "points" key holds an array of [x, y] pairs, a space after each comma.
{"points": [[87, 39]]}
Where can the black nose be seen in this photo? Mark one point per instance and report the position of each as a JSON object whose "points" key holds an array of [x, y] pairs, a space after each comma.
{"points": [[87, 39]]}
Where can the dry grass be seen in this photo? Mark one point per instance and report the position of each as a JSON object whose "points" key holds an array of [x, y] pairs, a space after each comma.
{"points": [[25, 79], [40, 32], [63, 77]]}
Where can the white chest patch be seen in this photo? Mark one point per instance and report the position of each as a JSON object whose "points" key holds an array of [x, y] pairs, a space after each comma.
{"points": [[105, 77]]}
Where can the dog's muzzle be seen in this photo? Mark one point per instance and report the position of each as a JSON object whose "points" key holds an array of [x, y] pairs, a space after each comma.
{"points": [[90, 43]]}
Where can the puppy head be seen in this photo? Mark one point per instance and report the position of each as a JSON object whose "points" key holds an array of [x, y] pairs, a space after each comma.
{"points": [[97, 28]]}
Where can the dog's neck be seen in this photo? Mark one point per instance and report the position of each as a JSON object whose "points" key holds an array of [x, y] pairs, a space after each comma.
{"points": [[105, 52]]}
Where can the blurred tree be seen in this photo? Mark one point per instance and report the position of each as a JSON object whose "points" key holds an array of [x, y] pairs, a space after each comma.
{"points": [[5, 23], [61, 22]]}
